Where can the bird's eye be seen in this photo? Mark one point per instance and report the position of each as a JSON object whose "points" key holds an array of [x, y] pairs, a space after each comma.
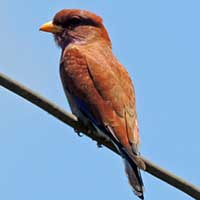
{"points": [[75, 21]]}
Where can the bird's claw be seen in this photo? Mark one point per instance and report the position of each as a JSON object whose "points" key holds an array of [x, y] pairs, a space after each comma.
{"points": [[99, 145], [78, 133]]}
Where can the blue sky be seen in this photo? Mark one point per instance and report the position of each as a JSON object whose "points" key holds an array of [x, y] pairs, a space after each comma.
{"points": [[42, 158]]}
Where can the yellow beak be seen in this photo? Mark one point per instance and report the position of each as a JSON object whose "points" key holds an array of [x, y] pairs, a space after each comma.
{"points": [[50, 27]]}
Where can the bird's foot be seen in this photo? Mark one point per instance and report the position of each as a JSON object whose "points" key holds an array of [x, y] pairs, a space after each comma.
{"points": [[99, 145], [78, 132]]}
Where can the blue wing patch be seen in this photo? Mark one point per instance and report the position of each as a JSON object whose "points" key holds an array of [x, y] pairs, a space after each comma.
{"points": [[85, 110]]}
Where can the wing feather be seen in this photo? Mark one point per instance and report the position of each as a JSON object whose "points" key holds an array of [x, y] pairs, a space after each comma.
{"points": [[105, 85]]}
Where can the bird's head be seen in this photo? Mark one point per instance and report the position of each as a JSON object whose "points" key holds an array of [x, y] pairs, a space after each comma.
{"points": [[73, 25]]}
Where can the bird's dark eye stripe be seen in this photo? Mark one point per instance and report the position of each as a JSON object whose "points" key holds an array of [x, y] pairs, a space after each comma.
{"points": [[74, 21]]}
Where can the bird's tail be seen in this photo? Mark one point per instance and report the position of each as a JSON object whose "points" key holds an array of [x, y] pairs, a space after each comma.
{"points": [[131, 162], [134, 177]]}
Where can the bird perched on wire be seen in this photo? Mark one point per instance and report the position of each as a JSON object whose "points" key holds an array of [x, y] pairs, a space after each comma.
{"points": [[97, 86]]}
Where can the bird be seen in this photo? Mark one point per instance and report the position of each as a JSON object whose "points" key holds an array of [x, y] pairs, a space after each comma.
{"points": [[99, 89]]}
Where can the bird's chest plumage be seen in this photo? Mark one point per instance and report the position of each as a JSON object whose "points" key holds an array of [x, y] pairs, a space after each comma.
{"points": [[73, 68], [76, 79], [76, 76], [79, 86]]}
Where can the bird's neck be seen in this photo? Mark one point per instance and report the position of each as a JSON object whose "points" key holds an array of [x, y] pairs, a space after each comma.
{"points": [[92, 46]]}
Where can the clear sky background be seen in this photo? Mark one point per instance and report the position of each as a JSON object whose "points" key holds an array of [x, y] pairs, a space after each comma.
{"points": [[159, 44]]}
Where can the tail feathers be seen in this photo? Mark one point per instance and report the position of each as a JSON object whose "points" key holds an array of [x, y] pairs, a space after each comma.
{"points": [[134, 178], [131, 162]]}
